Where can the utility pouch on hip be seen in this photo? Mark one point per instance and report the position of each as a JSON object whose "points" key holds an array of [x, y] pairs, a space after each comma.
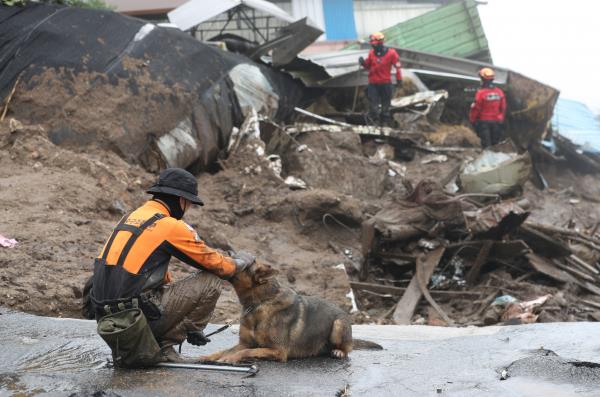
{"points": [[130, 338]]}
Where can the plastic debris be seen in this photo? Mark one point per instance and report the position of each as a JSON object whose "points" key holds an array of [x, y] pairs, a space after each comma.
{"points": [[504, 300], [438, 158], [295, 183], [7, 242]]}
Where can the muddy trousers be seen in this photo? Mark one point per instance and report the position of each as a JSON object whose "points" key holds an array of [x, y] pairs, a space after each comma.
{"points": [[489, 132], [380, 98], [185, 306]]}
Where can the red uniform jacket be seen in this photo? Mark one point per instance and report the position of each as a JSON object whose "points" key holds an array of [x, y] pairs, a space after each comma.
{"points": [[489, 105], [380, 68]]}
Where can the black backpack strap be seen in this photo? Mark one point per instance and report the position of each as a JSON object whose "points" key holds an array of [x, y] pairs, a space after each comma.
{"points": [[113, 235], [135, 233]]}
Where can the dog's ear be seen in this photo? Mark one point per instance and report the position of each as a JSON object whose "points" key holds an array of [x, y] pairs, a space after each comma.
{"points": [[263, 272]]}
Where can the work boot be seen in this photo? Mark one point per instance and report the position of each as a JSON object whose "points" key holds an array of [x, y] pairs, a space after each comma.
{"points": [[169, 355]]}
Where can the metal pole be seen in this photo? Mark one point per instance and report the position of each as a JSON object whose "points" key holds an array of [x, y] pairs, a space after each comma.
{"points": [[325, 119], [241, 368]]}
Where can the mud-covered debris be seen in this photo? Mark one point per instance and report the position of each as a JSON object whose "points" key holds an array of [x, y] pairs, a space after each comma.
{"points": [[7, 242], [495, 173]]}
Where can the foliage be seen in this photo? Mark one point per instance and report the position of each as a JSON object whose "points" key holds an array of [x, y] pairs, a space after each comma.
{"points": [[13, 2], [71, 3]]}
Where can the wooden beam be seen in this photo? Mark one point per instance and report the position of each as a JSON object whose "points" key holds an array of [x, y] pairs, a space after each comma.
{"points": [[409, 301], [429, 263]]}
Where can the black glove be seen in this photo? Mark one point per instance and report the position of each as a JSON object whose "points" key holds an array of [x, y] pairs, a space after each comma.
{"points": [[399, 83], [242, 260], [197, 338], [361, 61]]}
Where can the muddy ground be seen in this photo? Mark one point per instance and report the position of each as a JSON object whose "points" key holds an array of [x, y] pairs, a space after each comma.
{"points": [[61, 204]]}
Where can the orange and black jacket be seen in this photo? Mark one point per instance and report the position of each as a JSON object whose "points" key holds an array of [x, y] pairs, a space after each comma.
{"points": [[136, 256]]}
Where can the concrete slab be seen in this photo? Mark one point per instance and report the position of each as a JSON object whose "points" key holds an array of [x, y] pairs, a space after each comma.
{"points": [[65, 357]]}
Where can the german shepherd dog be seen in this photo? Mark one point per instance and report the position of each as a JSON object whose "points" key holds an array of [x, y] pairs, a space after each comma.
{"points": [[278, 324]]}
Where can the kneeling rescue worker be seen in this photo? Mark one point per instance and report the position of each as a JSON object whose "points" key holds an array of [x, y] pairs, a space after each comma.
{"points": [[488, 110], [379, 63], [131, 276]]}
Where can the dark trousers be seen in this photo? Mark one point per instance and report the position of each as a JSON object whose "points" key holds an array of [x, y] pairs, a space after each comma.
{"points": [[186, 305], [380, 98], [489, 132]]}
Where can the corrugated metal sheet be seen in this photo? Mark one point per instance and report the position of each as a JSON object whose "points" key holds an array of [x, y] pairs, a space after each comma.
{"points": [[339, 19], [454, 29], [576, 122]]}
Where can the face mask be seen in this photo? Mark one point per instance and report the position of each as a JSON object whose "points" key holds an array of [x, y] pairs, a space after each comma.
{"points": [[378, 48], [172, 202]]}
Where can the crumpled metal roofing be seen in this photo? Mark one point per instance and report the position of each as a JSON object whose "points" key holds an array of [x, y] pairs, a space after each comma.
{"points": [[454, 29]]}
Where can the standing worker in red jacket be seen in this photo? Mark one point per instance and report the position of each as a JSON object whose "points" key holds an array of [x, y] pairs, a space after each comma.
{"points": [[488, 110], [379, 63]]}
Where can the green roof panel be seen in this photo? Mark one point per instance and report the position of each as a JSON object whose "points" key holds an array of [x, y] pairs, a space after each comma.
{"points": [[454, 30]]}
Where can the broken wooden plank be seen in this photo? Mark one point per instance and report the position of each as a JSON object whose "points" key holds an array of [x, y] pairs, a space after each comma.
{"points": [[593, 304], [367, 240], [560, 230], [584, 264], [409, 301], [543, 266], [551, 270], [592, 287], [426, 264], [482, 257], [585, 242], [398, 291], [541, 242], [575, 272]]}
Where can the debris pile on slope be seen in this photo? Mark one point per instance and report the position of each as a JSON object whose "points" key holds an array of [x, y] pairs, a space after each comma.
{"points": [[476, 245]]}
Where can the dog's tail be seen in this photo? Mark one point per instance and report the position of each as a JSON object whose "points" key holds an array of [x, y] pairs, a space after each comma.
{"points": [[361, 344]]}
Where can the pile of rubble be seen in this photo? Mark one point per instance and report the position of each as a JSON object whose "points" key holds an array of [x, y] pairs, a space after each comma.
{"points": [[438, 245]]}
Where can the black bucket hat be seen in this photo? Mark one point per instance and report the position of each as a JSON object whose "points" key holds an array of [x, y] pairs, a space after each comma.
{"points": [[178, 182]]}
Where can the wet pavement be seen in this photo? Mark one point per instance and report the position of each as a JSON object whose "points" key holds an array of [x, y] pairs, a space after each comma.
{"points": [[64, 357]]}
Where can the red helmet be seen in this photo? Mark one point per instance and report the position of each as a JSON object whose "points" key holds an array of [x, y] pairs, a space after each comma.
{"points": [[487, 74], [376, 38]]}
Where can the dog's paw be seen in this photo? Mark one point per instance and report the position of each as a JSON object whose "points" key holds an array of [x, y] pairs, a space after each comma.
{"points": [[231, 359], [211, 357], [337, 353]]}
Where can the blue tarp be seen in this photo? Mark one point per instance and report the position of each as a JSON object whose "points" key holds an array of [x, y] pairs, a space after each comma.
{"points": [[576, 122]]}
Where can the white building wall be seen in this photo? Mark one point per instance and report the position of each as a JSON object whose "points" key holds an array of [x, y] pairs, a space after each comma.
{"points": [[375, 15], [313, 9]]}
